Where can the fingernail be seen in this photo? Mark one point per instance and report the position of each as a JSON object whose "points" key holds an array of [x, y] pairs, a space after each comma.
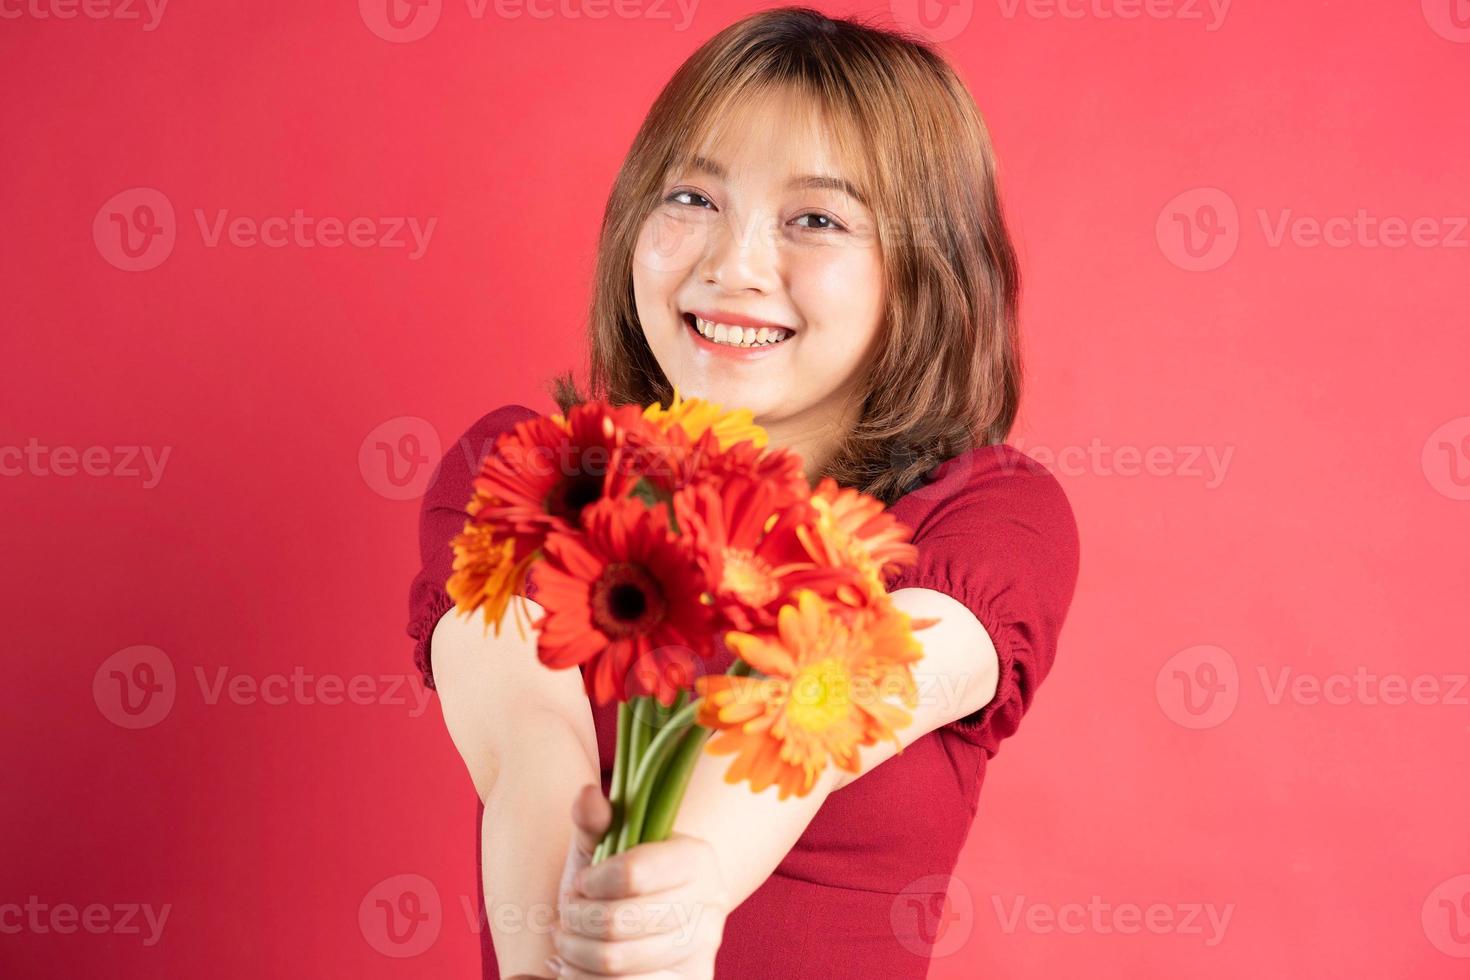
{"points": [[555, 965]]}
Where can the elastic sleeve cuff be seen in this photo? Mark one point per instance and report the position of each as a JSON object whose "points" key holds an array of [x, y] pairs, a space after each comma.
{"points": [[430, 608], [1000, 717]]}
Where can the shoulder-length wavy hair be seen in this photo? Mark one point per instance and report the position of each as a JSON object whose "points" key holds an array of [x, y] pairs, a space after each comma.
{"points": [[947, 373]]}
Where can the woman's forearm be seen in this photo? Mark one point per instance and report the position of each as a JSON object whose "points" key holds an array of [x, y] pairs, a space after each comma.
{"points": [[527, 739], [526, 834], [750, 832]]}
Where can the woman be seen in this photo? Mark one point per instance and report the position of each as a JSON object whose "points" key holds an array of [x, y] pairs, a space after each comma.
{"points": [[807, 226]]}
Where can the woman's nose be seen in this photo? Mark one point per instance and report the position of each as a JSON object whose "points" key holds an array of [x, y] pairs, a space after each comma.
{"points": [[743, 254]]}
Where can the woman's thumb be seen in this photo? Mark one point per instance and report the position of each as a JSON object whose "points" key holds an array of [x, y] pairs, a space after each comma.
{"points": [[591, 815]]}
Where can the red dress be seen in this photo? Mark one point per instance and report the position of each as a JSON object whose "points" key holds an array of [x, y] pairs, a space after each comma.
{"points": [[860, 893]]}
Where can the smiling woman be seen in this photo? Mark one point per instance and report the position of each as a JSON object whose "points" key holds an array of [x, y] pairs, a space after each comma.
{"points": [[807, 226]]}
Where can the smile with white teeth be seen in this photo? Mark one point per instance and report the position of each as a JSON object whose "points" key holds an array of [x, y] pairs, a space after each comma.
{"points": [[740, 336]]}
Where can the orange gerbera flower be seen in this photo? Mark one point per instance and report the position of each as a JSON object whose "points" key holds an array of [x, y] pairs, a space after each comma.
{"points": [[624, 597], [852, 531], [488, 571], [821, 697]]}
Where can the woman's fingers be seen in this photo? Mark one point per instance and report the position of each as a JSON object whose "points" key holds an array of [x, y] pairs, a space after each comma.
{"points": [[645, 869], [657, 908], [633, 957], [618, 919], [572, 973]]}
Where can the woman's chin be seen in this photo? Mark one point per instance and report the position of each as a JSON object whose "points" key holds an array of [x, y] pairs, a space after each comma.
{"points": [[729, 397]]}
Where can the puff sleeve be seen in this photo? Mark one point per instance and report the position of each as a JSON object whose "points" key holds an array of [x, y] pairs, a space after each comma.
{"points": [[441, 517], [995, 531]]}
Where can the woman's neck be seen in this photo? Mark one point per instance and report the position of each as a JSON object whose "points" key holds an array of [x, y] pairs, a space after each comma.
{"points": [[815, 438]]}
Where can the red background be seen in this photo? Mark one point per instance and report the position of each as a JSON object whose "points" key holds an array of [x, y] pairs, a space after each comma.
{"points": [[1330, 545]]}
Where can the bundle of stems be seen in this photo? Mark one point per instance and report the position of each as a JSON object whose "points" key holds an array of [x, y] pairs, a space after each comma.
{"points": [[657, 748]]}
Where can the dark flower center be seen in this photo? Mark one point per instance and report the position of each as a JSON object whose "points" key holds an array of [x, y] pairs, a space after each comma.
{"points": [[572, 495], [626, 600]]}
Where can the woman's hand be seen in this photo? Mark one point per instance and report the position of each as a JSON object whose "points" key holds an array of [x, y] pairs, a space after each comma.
{"points": [[654, 912]]}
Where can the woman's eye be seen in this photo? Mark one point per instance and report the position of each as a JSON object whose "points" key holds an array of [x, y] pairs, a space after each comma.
{"points": [[831, 223], [677, 195]]}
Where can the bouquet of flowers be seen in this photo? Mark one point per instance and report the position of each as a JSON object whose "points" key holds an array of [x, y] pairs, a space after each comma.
{"points": [[650, 535]]}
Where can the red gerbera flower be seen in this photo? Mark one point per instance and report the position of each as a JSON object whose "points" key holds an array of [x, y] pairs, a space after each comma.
{"points": [[625, 597], [677, 462], [546, 470], [744, 530], [537, 479]]}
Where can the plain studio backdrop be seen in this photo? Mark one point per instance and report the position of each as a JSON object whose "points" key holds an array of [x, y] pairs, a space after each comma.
{"points": [[263, 262]]}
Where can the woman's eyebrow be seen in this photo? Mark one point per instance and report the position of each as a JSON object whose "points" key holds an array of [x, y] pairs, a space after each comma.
{"points": [[819, 181], [838, 184]]}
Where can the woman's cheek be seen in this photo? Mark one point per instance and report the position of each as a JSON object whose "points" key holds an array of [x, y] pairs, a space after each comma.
{"points": [[842, 303], [669, 246]]}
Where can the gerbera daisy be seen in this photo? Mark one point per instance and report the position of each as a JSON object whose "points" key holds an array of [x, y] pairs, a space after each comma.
{"points": [[537, 479], [744, 531], [853, 530], [543, 472], [625, 597], [821, 697], [696, 416], [487, 572]]}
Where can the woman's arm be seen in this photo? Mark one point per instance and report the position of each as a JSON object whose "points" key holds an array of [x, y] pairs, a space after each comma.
{"points": [[752, 832], [526, 735]]}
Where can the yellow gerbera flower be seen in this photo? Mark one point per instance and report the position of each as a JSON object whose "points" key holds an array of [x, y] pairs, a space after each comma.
{"points": [[695, 416]]}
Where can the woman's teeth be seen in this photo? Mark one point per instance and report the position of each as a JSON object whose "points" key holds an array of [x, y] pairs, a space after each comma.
{"points": [[741, 336]]}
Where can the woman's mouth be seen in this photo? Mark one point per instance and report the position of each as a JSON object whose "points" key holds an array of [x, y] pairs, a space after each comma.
{"points": [[731, 338]]}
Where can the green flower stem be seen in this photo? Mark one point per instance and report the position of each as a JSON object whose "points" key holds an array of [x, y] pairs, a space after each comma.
{"points": [[650, 776], [663, 712], [619, 781], [638, 739], [650, 766], [669, 793], [640, 716], [658, 822]]}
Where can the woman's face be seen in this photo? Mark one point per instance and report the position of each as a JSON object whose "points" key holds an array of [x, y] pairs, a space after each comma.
{"points": [[747, 237]]}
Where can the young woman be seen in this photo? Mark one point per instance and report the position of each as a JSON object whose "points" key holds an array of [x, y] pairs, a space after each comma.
{"points": [[807, 226]]}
